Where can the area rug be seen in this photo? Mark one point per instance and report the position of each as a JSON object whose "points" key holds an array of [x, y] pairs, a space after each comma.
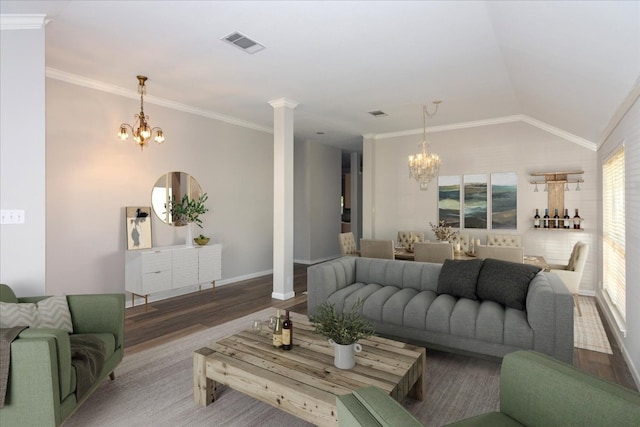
{"points": [[588, 332], [154, 387]]}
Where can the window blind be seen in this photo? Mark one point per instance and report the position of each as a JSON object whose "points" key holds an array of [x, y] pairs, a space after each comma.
{"points": [[613, 228]]}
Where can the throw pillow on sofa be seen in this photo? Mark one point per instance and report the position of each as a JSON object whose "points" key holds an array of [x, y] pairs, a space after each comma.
{"points": [[49, 313], [505, 282], [458, 278]]}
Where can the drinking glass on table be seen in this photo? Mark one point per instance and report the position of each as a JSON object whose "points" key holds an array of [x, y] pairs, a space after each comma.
{"points": [[256, 326]]}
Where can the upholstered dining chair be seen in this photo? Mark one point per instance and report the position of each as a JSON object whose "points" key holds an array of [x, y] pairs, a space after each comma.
{"points": [[347, 244], [407, 237], [433, 251], [370, 248], [504, 240], [505, 253], [571, 274], [463, 239]]}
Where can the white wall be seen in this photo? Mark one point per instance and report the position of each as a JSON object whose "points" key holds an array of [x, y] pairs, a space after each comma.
{"points": [[92, 176], [317, 202], [627, 131], [398, 203], [22, 159]]}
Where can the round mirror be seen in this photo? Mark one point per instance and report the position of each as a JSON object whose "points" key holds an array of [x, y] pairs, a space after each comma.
{"points": [[173, 186]]}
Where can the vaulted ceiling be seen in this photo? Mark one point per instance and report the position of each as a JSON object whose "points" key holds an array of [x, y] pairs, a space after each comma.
{"points": [[566, 66]]}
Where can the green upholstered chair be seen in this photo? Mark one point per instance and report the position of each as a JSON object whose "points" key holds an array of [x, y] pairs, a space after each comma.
{"points": [[42, 387], [535, 391]]}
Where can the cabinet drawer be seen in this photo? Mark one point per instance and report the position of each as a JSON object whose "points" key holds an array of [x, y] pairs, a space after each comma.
{"points": [[153, 262], [156, 282]]}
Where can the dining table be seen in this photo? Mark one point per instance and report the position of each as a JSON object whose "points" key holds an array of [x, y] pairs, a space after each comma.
{"points": [[537, 260]]}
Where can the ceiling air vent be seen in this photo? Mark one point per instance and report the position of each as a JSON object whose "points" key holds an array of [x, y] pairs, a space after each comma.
{"points": [[378, 113], [243, 42]]}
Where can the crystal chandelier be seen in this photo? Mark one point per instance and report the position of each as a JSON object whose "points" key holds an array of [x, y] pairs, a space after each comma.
{"points": [[141, 129], [423, 167]]}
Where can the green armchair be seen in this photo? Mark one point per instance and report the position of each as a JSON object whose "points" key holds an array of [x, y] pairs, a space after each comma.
{"points": [[43, 384], [535, 391]]}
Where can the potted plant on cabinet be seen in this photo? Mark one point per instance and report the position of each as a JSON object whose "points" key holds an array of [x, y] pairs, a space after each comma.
{"points": [[343, 331], [187, 211]]}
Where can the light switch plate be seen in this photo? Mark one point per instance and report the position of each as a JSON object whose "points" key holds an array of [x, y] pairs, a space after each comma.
{"points": [[12, 216]]}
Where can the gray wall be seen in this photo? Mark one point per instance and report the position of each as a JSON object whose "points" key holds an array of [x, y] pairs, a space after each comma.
{"points": [[317, 202], [92, 176], [22, 158]]}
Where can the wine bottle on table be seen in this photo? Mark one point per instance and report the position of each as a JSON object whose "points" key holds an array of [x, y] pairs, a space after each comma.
{"points": [[277, 331], [567, 219], [287, 332], [576, 220], [545, 219], [536, 220], [556, 219]]}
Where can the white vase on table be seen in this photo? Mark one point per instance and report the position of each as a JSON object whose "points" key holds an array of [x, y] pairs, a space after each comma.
{"points": [[345, 354]]}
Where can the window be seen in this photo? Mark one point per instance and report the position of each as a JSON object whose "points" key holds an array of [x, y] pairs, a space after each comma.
{"points": [[613, 231]]}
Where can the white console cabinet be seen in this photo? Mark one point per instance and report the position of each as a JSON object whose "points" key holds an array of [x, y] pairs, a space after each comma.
{"points": [[171, 267]]}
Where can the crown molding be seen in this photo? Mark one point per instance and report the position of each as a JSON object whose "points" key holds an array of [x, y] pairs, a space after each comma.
{"points": [[23, 22], [115, 90], [634, 95], [491, 122]]}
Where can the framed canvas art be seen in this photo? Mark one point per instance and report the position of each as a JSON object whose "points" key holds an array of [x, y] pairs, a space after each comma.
{"points": [[138, 227], [475, 201], [504, 201], [449, 200]]}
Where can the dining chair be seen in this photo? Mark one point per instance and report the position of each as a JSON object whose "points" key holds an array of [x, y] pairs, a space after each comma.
{"points": [[463, 239], [347, 244], [504, 240], [370, 248], [571, 274], [433, 251], [405, 238], [505, 253]]}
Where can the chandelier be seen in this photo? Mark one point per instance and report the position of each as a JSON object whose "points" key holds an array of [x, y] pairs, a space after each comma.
{"points": [[423, 167], [141, 128]]}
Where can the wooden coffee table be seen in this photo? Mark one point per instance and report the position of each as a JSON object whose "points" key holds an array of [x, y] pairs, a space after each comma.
{"points": [[304, 381]]}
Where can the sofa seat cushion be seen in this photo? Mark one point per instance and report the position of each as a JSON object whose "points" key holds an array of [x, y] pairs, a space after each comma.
{"points": [[108, 340]]}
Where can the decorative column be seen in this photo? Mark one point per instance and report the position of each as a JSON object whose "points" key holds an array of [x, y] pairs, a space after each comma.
{"points": [[283, 198]]}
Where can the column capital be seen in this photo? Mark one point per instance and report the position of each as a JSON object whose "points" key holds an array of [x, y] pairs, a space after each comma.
{"points": [[283, 102]]}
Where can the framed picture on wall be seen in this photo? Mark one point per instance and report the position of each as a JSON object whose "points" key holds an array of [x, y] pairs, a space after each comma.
{"points": [[138, 227], [504, 201], [449, 200], [475, 201]]}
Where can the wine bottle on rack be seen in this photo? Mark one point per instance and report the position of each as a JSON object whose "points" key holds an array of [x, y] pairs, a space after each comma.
{"points": [[545, 219], [277, 331], [576, 221], [556, 219], [567, 219], [287, 332], [536, 220]]}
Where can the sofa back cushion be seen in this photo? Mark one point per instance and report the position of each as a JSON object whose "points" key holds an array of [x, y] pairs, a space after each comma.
{"points": [[459, 277], [505, 282], [402, 274]]}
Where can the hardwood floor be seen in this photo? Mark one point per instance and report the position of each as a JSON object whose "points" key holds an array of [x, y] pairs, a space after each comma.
{"points": [[165, 320]]}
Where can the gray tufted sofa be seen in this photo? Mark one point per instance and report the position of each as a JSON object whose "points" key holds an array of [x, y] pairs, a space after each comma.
{"points": [[401, 300]]}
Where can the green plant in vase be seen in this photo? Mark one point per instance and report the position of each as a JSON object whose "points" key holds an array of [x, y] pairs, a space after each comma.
{"points": [[344, 328], [187, 210]]}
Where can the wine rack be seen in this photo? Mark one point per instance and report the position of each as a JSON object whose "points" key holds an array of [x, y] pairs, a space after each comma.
{"points": [[555, 184]]}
